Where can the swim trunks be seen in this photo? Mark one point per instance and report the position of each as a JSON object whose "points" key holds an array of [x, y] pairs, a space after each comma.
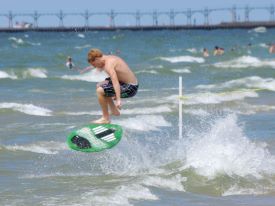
{"points": [[126, 90]]}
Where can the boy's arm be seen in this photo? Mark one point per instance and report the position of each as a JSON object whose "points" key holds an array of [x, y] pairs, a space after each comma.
{"points": [[85, 69]]}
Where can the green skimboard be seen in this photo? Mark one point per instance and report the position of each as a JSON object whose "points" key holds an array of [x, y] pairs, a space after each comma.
{"points": [[95, 137]]}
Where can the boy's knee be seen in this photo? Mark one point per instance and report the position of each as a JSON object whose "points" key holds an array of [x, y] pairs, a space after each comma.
{"points": [[100, 90]]}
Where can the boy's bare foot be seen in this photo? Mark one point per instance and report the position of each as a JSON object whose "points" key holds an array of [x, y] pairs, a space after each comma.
{"points": [[101, 121], [115, 112]]}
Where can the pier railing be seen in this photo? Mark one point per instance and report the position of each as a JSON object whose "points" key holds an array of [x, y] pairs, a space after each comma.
{"points": [[189, 14]]}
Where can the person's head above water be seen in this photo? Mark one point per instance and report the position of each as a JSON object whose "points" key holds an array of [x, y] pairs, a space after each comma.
{"points": [[94, 58]]}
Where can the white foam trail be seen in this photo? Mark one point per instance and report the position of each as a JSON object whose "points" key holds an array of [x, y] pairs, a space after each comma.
{"points": [[57, 174], [181, 70], [183, 59], [119, 195], [197, 112], [147, 71], [247, 109], [147, 110], [260, 29], [39, 147], [144, 122], [156, 67], [172, 183], [263, 45], [83, 47], [192, 50], [35, 72], [246, 62], [27, 109], [236, 190], [252, 109], [216, 98], [18, 41], [35, 44], [248, 82], [225, 150], [83, 113], [81, 36], [5, 75], [92, 76]]}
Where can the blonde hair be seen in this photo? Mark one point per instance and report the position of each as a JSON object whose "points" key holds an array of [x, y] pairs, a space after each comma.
{"points": [[93, 54]]}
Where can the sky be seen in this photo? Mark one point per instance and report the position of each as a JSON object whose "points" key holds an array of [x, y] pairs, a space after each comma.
{"points": [[54, 6]]}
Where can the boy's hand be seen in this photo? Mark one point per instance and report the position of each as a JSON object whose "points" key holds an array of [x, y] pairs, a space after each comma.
{"points": [[118, 104]]}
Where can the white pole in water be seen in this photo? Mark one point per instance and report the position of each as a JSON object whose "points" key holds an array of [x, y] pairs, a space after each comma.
{"points": [[180, 107]]}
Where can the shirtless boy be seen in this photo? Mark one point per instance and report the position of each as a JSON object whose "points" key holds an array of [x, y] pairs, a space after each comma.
{"points": [[122, 83]]}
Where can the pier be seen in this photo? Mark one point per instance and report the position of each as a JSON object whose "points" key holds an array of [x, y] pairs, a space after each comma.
{"points": [[249, 25], [171, 20]]}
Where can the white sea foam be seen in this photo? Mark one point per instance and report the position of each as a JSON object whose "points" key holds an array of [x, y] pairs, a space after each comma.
{"points": [[237, 190], [39, 147], [216, 98], [248, 82], [260, 29], [119, 195], [264, 45], [183, 59], [35, 72], [83, 47], [209, 98], [29, 109], [197, 112], [92, 76], [5, 75], [224, 149], [192, 50], [144, 122], [18, 41], [172, 183], [252, 109], [151, 71], [81, 36], [147, 110], [34, 44], [181, 70], [246, 62], [156, 67], [248, 109]]}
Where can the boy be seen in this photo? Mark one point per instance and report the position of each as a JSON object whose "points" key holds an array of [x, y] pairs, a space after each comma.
{"points": [[122, 83]]}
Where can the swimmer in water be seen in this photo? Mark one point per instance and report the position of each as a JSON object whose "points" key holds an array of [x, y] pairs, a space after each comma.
{"points": [[70, 63]]}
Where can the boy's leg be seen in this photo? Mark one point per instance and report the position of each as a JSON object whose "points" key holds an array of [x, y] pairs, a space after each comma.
{"points": [[113, 107], [103, 101]]}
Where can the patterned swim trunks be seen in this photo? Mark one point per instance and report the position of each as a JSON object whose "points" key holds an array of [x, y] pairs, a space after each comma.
{"points": [[126, 90]]}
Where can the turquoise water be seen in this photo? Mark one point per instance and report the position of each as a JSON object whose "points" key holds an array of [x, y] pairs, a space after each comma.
{"points": [[226, 155]]}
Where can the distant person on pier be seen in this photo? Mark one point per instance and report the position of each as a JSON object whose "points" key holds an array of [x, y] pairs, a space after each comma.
{"points": [[218, 51], [205, 52], [121, 83]]}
